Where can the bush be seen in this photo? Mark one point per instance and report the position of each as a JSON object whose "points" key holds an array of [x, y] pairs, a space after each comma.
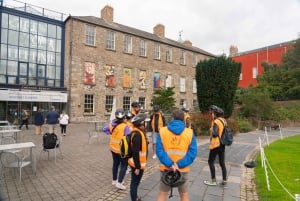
{"points": [[201, 123], [244, 125]]}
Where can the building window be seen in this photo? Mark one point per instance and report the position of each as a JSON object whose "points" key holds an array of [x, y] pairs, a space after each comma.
{"points": [[156, 51], [169, 54], [241, 76], [194, 86], [182, 57], [143, 48], [168, 81], [142, 102], [182, 84], [90, 35], [89, 103], [126, 103], [195, 60], [110, 40], [182, 103], [195, 103], [127, 44], [254, 72], [109, 101]]}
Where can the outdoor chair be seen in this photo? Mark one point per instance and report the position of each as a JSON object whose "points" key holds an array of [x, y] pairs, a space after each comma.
{"points": [[54, 149], [14, 161], [93, 134]]}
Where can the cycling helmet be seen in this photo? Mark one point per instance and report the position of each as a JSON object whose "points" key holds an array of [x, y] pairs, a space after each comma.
{"points": [[135, 104], [128, 114], [156, 108], [119, 114], [217, 110], [139, 119], [171, 178]]}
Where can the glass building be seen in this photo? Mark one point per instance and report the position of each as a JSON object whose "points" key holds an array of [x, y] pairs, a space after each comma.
{"points": [[31, 60]]}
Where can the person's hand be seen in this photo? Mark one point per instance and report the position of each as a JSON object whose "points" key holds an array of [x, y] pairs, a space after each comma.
{"points": [[137, 171], [174, 167]]}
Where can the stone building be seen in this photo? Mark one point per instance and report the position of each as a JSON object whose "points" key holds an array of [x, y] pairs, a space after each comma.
{"points": [[107, 62]]}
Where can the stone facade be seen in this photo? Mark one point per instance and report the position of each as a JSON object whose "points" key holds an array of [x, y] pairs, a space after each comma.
{"points": [[77, 53]]}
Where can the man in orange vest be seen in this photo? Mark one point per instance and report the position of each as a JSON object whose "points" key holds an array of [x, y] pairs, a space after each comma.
{"points": [[176, 149], [216, 148], [157, 120], [135, 108], [139, 149]]}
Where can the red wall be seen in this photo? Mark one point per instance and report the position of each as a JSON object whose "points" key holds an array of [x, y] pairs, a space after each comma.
{"points": [[271, 54]]}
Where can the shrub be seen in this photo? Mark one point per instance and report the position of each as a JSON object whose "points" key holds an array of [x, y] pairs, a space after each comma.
{"points": [[201, 123], [244, 125]]}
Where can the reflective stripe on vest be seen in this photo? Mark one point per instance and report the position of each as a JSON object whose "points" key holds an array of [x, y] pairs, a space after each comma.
{"points": [[142, 153], [116, 137], [176, 146]]}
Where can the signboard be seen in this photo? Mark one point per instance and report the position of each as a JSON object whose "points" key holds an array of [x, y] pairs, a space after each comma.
{"points": [[33, 96]]}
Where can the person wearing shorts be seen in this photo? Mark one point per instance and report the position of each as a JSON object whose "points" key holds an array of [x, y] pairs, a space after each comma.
{"points": [[176, 149]]}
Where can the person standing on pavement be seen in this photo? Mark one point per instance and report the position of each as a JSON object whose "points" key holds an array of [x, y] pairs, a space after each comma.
{"points": [[63, 122], [187, 118], [117, 129], [216, 148], [135, 108], [139, 148], [176, 149], [157, 120], [38, 121], [52, 119], [25, 117]]}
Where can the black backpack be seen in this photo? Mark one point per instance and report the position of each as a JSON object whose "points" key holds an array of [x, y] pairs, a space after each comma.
{"points": [[227, 135], [49, 141]]}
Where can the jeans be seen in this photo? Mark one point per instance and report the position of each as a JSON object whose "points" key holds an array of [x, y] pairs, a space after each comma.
{"points": [[63, 128], [220, 151], [24, 122], [135, 182], [118, 161]]}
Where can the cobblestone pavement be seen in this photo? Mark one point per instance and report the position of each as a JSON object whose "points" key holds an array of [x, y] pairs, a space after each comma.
{"points": [[83, 172]]}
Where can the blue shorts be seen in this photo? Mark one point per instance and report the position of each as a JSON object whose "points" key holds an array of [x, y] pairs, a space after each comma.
{"points": [[154, 137]]}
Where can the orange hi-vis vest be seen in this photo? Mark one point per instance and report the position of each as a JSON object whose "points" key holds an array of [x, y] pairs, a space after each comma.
{"points": [[176, 146], [160, 121], [130, 125], [215, 141], [187, 116], [117, 134], [142, 153]]}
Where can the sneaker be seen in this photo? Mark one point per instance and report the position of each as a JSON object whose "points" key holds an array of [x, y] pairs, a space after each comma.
{"points": [[64, 134], [138, 199], [211, 183], [120, 186], [114, 182], [224, 184], [154, 156]]}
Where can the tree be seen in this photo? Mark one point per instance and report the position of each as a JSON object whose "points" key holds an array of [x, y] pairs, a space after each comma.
{"points": [[217, 81], [291, 59], [164, 98]]}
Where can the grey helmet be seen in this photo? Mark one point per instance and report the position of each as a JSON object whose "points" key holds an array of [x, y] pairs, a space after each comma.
{"points": [[217, 110], [119, 114], [139, 119], [128, 114]]}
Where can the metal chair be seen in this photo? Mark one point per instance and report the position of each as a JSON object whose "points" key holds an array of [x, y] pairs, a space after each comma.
{"points": [[57, 146], [14, 160], [93, 134]]}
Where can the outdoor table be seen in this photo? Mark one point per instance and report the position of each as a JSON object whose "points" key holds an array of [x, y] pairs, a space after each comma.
{"points": [[15, 132]]}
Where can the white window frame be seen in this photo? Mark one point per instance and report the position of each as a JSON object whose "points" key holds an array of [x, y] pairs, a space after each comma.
{"points": [[254, 72], [142, 101], [169, 54], [241, 76], [194, 86], [195, 59], [182, 57], [127, 44], [109, 101], [89, 103], [90, 35], [157, 51], [143, 48], [110, 40], [182, 84], [126, 102]]}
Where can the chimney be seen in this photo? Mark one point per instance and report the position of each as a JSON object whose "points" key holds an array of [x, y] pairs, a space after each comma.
{"points": [[107, 13], [159, 30], [187, 43], [233, 50]]}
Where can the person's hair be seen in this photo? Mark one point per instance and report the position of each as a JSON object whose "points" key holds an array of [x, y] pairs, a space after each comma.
{"points": [[178, 115]]}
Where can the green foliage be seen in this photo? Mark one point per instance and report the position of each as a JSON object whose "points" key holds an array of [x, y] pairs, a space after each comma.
{"points": [[217, 81], [201, 123], [282, 156], [291, 59], [164, 98], [244, 125]]}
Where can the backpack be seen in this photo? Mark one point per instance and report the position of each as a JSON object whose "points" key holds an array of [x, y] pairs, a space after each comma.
{"points": [[125, 145], [49, 141], [227, 135]]}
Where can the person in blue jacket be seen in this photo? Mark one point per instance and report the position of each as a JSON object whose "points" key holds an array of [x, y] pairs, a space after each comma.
{"points": [[176, 149]]}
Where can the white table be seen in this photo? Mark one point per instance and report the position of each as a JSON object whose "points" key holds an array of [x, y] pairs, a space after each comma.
{"points": [[24, 145], [14, 131]]}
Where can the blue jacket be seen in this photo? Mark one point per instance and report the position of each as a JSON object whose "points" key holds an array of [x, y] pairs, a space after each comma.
{"points": [[176, 127], [38, 119]]}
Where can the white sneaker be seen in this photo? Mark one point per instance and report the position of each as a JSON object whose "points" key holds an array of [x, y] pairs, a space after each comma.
{"points": [[114, 182], [154, 156], [120, 186]]}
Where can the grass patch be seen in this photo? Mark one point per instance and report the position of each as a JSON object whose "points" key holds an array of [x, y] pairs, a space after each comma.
{"points": [[284, 158]]}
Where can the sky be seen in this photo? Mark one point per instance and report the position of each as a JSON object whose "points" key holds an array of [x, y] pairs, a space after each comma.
{"points": [[211, 25]]}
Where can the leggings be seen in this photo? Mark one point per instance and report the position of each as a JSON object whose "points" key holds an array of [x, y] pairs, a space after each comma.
{"points": [[220, 151]]}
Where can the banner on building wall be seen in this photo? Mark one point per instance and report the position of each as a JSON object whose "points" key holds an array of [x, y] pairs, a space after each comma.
{"points": [[109, 76], [142, 79], [127, 77], [156, 80], [89, 73], [33, 96]]}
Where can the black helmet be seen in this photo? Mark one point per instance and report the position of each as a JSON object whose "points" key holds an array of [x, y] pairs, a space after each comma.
{"points": [[216, 110], [128, 114], [135, 104], [156, 108], [171, 178], [139, 119], [119, 114]]}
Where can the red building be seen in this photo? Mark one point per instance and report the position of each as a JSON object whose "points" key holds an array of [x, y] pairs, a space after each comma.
{"points": [[251, 61]]}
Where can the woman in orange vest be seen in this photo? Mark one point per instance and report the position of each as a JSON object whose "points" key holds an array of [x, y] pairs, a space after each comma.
{"points": [[139, 149], [176, 149], [216, 148], [117, 129]]}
